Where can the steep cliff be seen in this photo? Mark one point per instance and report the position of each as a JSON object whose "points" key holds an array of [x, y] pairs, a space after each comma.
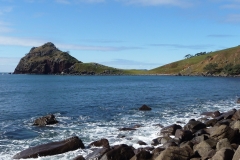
{"points": [[46, 59]]}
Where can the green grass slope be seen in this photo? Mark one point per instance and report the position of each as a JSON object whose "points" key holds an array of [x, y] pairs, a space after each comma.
{"points": [[196, 64], [99, 69]]}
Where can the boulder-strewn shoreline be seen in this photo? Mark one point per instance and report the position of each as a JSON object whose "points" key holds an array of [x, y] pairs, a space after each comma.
{"points": [[214, 136]]}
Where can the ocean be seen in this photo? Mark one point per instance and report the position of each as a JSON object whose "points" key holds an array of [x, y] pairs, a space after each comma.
{"points": [[95, 107]]}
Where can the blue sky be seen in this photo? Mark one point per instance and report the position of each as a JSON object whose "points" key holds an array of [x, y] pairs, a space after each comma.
{"points": [[140, 34]]}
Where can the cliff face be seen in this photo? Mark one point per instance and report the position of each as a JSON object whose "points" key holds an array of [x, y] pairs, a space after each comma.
{"points": [[46, 59]]}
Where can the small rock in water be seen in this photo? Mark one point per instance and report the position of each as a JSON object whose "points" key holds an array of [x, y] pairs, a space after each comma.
{"points": [[238, 100], [46, 120], [145, 108]]}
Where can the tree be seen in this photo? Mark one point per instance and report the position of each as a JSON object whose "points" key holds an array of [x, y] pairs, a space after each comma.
{"points": [[211, 68], [188, 56]]}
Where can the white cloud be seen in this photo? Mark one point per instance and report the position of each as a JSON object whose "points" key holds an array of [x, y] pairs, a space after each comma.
{"points": [[179, 3], [4, 27], [28, 42], [4, 10]]}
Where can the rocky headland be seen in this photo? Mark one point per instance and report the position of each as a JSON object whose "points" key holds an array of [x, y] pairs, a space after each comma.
{"points": [[214, 136], [46, 59]]}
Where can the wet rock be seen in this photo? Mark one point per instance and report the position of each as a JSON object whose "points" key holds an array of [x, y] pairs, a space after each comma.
{"points": [[46, 120], [145, 108], [194, 126], [79, 158], [101, 143], [127, 129], [223, 154], [156, 141], [223, 122], [211, 122], [170, 130], [211, 114], [174, 153], [229, 114], [238, 100], [142, 155], [236, 115], [97, 153], [169, 144], [200, 132], [141, 143], [52, 148], [136, 151], [183, 135], [121, 152], [199, 139]]}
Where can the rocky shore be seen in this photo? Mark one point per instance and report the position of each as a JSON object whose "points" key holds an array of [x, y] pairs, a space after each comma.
{"points": [[214, 136]]}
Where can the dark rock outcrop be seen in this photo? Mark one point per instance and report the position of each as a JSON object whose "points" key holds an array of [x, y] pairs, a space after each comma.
{"points": [[101, 143], [46, 120], [46, 59], [145, 108], [122, 152], [52, 148]]}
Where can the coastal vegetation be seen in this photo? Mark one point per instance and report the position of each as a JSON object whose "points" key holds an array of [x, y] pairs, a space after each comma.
{"points": [[222, 62]]}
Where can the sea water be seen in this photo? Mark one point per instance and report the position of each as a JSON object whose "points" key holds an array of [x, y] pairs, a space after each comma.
{"points": [[95, 107]]}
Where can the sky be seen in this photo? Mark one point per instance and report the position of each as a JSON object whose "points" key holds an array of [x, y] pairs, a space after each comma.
{"points": [[127, 34]]}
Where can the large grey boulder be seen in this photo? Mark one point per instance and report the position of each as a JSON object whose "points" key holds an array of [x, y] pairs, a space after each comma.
{"points": [[52, 148], [174, 153]]}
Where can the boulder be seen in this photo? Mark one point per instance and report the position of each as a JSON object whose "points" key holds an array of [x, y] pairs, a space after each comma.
{"points": [[46, 120], [52, 148], [211, 114], [142, 155], [238, 100], [222, 132], [141, 143], [236, 115], [223, 143], [211, 122], [198, 139], [174, 153], [156, 152], [79, 158], [223, 154], [236, 155], [183, 135], [121, 152], [194, 126], [229, 114], [127, 129], [170, 130], [145, 108], [101, 143], [236, 125], [203, 149], [97, 153]]}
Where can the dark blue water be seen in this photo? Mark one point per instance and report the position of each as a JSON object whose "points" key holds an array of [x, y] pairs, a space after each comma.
{"points": [[93, 107]]}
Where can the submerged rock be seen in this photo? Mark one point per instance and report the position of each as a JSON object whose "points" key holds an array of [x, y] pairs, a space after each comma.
{"points": [[145, 108], [46, 120], [52, 148]]}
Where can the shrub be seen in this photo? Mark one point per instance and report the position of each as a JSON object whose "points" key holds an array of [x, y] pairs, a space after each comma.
{"points": [[211, 68]]}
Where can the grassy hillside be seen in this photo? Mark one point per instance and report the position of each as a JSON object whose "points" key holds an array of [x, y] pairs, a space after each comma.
{"points": [[196, 64], [95, 68]]}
